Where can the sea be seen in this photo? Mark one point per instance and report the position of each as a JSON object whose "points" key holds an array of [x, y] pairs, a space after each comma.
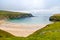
{"points": [[39, 18]]}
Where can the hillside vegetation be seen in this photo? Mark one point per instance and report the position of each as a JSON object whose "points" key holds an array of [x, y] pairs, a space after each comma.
{"points": [[13, 15], [55, 17], [50, 32], [4, 34]]}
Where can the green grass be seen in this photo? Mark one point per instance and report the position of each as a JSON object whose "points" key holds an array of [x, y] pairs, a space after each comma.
{"points": [[4, 34], [55, 18], [13, 15], [50, 32]]}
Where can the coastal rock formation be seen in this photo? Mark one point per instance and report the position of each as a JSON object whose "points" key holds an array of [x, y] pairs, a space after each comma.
{"points": [[55, 17], [14, 15]]}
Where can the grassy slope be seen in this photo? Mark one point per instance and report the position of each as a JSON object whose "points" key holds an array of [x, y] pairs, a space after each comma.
{"points": [[4, 34], [13, 15], [50, 32], [55, 17]]}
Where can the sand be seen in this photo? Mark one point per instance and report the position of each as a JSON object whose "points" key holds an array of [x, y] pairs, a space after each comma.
{"points": [[20, 30]]}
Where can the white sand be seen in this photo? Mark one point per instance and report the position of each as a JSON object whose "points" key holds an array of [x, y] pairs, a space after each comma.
{"points": [[20, 30]]}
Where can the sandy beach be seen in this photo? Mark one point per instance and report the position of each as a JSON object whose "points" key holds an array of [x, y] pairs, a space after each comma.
{"points": [[20, 30]]}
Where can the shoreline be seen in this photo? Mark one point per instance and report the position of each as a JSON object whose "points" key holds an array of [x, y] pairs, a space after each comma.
{"points": [[21, 30]]}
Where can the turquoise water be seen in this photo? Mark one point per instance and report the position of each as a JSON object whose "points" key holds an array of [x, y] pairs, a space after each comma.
{"points": [[38, 19]]}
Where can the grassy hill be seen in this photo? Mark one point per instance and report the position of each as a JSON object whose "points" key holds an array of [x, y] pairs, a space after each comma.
{"points": [[4, 34], [55, 17], [50, 32], [13, 15]]}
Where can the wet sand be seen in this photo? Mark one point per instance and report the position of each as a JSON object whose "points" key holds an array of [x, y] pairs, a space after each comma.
{"points": [[20, 30]]}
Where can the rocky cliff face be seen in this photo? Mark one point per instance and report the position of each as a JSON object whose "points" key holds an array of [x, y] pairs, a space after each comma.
{"points": [[13, 15]]}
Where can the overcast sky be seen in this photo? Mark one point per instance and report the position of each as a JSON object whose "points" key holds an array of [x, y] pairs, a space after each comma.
{"points": [[28, 4]]}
